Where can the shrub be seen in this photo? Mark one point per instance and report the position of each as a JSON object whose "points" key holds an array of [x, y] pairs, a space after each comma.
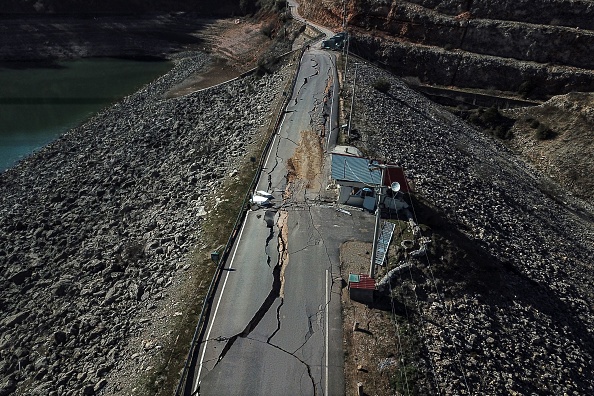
{"points": [[474, 118], [490, 115], [526, 88], [533, 123], [382, 85], [267, 30], [543, 132], [502, 132], [492, 121]]}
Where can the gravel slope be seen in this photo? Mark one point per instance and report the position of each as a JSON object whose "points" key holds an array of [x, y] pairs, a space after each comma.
{"points": [[505, 294], [96, 229]]}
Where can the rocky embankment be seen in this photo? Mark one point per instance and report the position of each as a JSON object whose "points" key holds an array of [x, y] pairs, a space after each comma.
{"points": [[474, 44], [96, 227], [506, 293]]}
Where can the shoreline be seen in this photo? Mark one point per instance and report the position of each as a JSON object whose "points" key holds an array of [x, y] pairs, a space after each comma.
{"points": [[41, 104]]}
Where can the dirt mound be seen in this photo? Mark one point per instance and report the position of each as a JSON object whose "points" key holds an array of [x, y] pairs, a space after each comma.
{"points": [[565, 153], [306, 163]]}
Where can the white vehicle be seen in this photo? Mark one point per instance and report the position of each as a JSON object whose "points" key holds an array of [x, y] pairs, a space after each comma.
{"points": [[264, 194], [261, 199]]}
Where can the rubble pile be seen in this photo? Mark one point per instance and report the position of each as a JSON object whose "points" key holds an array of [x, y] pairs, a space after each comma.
{"points": [[97, 226], [506, 302]]}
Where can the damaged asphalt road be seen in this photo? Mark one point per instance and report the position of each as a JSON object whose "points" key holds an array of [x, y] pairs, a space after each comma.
{"points": [[275, 325], [284, 343]]}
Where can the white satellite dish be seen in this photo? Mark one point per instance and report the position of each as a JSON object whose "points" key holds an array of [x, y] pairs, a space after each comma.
{"points": [[395, 187]]}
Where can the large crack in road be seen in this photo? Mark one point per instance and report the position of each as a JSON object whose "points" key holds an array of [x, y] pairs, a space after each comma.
{"points": [[310, 178], [276, 293]]}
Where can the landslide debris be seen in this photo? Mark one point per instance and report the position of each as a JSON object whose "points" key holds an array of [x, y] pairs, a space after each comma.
{"points": [[307, 161]]}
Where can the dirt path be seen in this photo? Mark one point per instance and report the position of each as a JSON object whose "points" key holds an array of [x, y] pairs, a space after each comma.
{"points": [[373, 348]]}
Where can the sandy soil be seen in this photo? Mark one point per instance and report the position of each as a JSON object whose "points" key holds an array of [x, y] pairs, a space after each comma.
{"points": [[236, 45], [307, 160], [567, 157]]}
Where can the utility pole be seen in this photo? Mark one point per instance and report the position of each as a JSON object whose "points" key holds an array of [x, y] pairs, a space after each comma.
{"points": [[379, 192], [346, 61], [343, 15], [345, 47], [378, 215], [352, 101]]}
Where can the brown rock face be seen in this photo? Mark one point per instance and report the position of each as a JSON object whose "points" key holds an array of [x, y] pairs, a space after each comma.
{"points": [[473, 44]]}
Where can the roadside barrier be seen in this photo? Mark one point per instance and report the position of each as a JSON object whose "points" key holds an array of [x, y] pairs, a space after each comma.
{"points": [[207, 304]]}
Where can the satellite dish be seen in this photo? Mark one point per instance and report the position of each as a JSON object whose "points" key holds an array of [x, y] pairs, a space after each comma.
{"points": [[395, 187]]}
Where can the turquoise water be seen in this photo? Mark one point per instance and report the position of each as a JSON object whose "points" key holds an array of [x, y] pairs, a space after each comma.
{"points": [[37, 104]]}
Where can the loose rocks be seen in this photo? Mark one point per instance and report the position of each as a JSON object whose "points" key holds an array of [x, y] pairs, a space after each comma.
{"points": [[94, 226], [506, 293]]}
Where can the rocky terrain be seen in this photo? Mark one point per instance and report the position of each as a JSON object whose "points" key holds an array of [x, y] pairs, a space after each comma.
{"points": [[505, 46], [567, 155], [97, 227], [503, 300]]}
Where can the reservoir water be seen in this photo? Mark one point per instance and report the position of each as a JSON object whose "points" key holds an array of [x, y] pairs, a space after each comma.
{"points": [[38, 104]]}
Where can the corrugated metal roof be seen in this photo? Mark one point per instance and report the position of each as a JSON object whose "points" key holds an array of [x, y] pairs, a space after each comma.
{"points": [[365, 282], [354, 169], [383, 242]]}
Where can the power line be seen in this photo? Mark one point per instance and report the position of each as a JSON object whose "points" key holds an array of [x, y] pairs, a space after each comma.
{"points": [[400, 349], [424, 335], [440, 297]]}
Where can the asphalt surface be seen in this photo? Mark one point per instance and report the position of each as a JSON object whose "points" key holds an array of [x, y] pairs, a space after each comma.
{"points": [[275, 325]]}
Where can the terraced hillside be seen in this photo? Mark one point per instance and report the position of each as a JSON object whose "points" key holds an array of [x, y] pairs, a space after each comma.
{"points": [[505, 46]]}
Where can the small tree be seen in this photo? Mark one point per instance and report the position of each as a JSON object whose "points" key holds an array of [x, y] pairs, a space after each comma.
{"points": [[525, 89]]}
